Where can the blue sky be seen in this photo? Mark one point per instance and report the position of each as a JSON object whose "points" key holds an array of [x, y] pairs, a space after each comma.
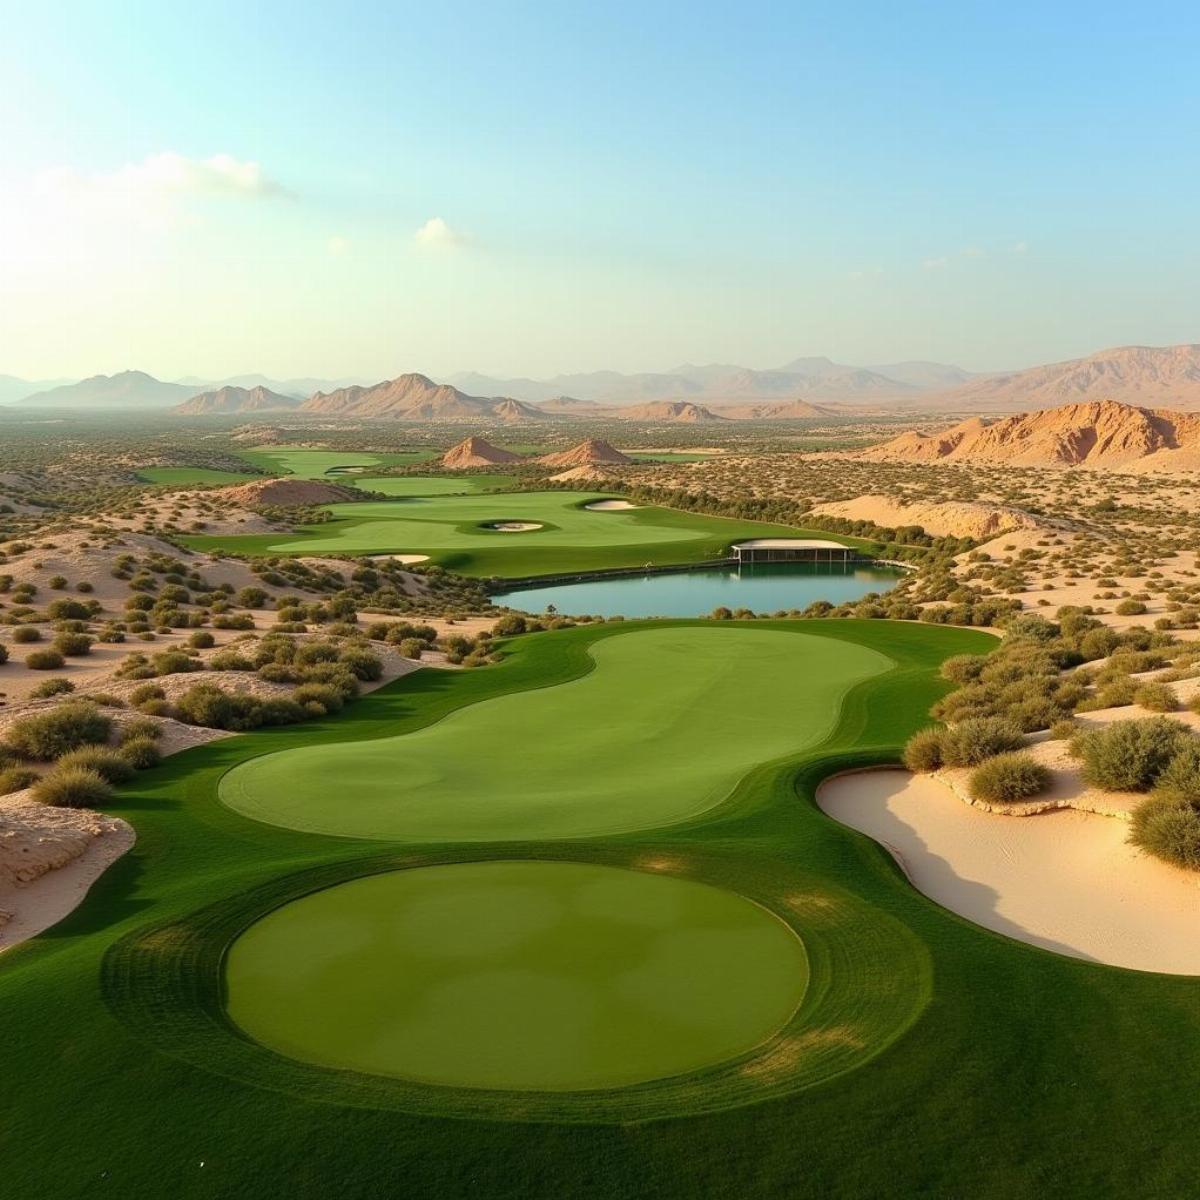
{"points": [[536, 188]]}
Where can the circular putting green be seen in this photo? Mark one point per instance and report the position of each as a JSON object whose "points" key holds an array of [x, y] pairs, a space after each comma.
{"points": [[661, 730], [543, 976]]}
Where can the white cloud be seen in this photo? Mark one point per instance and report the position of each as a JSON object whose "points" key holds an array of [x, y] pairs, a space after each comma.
{"points": [[436, 234], [338, 245], [165, 174], [935, 264], [1019, 247]]}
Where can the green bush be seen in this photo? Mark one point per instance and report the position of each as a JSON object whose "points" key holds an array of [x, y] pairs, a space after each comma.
{"points": [[972, 741], [146, 691], [26, 633], [1130, 608], [1007, 778], [1169, 828], [925, 750], [72, 787], [1181, 776], [362, 664], [49, 735], [1129, 756], [44, 660], [202, 640], [412, 648], [108, 764], [1156, 697], [57, 686], [139, 728], [16, 779], [325, 698], [140, 753], [963, 668]]}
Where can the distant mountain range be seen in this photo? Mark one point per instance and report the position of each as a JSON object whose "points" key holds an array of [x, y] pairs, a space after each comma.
{"points": [[802, 388]]}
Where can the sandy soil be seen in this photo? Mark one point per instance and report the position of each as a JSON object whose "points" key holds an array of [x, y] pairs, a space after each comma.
{"points": [[513, 526], [947, 518], [610, 506], [402, 558], [1065, 881]]}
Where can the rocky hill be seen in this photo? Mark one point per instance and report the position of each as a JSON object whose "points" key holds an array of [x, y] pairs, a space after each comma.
{"points": [[590, 452], [128, 389], [681, 411], [415, 397], [476, 452], [235, 400], [286, 493], [1099, 434], [1149, 375]]}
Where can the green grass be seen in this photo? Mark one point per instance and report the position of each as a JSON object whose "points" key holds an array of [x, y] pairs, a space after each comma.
{"points": [[451, 531], [928, 1057], [667, 456], [432, 485], [718, 703], [517, 975], [318, 464], [189, 476]]}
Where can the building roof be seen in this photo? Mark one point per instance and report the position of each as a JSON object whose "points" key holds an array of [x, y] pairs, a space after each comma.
{"points": [[790, 544]]}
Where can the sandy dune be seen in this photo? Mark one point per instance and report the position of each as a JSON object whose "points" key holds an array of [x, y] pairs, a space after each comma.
{"points": [[1066, 881]]}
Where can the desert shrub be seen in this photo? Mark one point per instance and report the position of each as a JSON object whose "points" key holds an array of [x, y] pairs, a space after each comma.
{"points": [[140, 753], [1181, 776], [362, 664], [26, 633], [1156, 697], [310, 653], [156, 708], [279, 673], [173, 662], [207, 705], [139, 728], [233, 621], [412, 647], [202, 640], [108, 764], [146, 691], [48, 735], [1007, 778], [230, 659], [68, 610], [326, 698], [1130, 608], [72, 787], [334, 674], [1064, 730], [16, 779], [1129, 756], [57, 686], [252, 597], [963, 668], [282, 710], [512, 623], [1168, 827], [72, 643], [44, 660], [925, 750], [971, 742]]}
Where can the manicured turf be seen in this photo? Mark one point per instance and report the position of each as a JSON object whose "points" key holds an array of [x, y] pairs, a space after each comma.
{"points": [[432, 485], [451, 531], [949, 1061], [517, 975], [188, 476], [317, 464], [660, 731]]}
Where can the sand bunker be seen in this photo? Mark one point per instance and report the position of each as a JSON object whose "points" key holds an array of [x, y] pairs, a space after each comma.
{"points": [[1066, 881], [513, 526], [406, 559], [610, 506]]}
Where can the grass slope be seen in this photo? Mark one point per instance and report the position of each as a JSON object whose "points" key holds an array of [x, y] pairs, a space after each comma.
{"points": [[432, 485], [317, 464], [450, 530], [666, 723], [189, 476], [1009, 1071]]}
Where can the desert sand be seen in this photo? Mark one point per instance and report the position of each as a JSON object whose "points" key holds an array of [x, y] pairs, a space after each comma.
{"points": [[1065, 881], [610, 506], [950, 518]]}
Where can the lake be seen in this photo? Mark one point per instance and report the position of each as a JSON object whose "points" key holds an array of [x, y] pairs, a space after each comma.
{"points": [[762, 588]]}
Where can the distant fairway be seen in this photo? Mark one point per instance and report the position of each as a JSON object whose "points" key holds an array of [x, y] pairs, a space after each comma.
{"points": [[658, 732], [451, 531], [547, 975], [317, 464], [188, 476]]}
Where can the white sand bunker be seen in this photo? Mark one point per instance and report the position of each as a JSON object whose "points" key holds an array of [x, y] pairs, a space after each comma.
{"points": [[1066, 881], [513, 526], [402, 558], [610, 506]]}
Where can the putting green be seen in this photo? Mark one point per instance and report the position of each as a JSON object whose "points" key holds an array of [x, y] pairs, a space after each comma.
{"points": [[187, 476], [450, 531], [661, 730], [550, 976]]}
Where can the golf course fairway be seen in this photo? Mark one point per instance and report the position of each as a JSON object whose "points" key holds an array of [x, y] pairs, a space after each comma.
{"points": [[540, 975], [454, 531], [659, 731]]}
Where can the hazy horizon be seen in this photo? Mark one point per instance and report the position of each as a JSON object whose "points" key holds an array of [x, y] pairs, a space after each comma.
{"points": [[544, 192]]}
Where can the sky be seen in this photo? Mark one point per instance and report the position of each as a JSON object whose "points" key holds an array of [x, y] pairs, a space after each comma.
{"points": [[526, 189]]}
